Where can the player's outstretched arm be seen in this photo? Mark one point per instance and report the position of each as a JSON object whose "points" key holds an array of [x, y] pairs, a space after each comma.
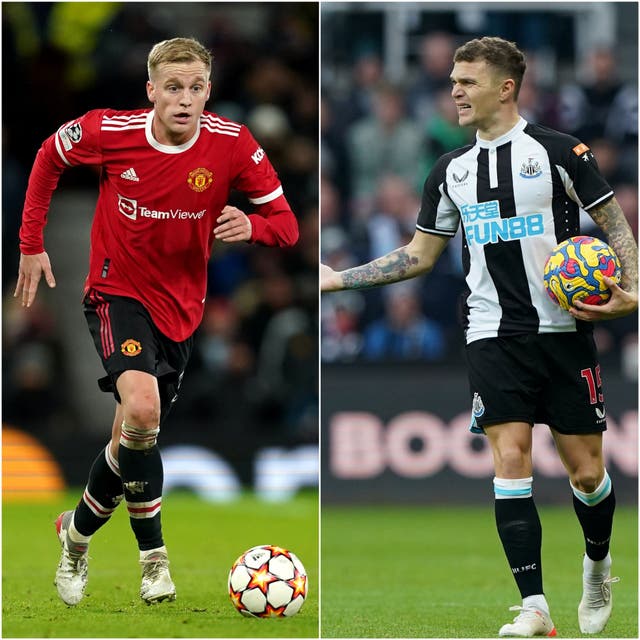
{"points": [[624, 298], [406, 262], [30, 271]]}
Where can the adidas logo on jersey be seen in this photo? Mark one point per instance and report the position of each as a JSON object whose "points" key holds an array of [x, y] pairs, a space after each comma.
{"points": [[130, 174]]}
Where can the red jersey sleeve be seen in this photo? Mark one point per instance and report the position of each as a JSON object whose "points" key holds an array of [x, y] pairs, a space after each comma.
{"points": [[273, 223], [74, 143]]}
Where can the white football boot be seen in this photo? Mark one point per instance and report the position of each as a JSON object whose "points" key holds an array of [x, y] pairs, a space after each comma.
{"points": [[156, 583], [528, 623], [594, 609], [72, 573]]}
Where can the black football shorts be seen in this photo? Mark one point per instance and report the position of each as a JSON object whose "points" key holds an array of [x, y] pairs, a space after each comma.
{"points": [[127, 339], [551, 378]]}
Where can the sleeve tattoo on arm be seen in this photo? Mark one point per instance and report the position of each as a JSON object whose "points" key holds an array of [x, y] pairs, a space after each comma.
{"points": [[393, 267], [610, 218]]}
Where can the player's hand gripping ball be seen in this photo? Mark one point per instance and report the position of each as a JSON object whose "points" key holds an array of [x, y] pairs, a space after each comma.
{"points": [[576, 268], [268, 582]]}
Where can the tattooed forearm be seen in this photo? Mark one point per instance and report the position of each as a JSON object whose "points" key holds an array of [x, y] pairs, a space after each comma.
{"points": [[395, 266], [610, 218]]}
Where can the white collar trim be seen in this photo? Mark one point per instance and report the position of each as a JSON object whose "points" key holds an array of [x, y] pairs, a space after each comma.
{"points": [[505, 137], [167, 148]]}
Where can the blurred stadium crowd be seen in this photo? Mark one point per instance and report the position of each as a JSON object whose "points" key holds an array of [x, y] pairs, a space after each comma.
{"points": [[253, 374], [387, 115]]}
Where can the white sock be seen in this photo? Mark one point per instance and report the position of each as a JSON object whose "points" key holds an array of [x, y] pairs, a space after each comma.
{"points": [[147, 552], [597, 566], [537, 601], [75, 536]]}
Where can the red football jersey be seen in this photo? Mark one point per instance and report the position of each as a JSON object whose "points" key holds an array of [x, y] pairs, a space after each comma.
{"points": [[157, 206]]}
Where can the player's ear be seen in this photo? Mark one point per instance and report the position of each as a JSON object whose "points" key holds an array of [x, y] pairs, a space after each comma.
{"points": [[507, 90], [208, 89], [151, 91]]}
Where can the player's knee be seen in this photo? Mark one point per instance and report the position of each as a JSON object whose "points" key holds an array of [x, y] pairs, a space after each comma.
{"points": [[142, 412], [512, 462], [587, 478]]}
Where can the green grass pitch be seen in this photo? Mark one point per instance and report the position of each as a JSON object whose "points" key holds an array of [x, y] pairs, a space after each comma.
{"points": [[203, 542], [440, 572]]}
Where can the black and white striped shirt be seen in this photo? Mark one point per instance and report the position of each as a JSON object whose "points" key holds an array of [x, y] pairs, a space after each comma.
{"points": [[518, 196]]}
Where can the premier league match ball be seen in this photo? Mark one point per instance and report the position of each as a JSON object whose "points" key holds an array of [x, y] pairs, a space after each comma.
{"points": [[576, 268], [268, 582]]}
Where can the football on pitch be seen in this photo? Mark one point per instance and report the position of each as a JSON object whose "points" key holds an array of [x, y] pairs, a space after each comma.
{"points": [[268, 582], [576, 268]]}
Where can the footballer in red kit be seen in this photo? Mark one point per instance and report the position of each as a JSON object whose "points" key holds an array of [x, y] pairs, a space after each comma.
{"points": [[158, 206], [166, 176]]}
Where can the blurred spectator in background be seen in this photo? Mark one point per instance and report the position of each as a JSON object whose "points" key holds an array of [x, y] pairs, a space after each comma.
{"points": [[33, 370], [221, 366], [404, 333], [442, 131], [335, 243], [532, 30], [334, 157], [612, 162], [602, 104], [435, 56], [393, 221], [385, 142], [538, 103], [627, 196], [342, 339], [287, 371], [367, 74], [340, 316]]}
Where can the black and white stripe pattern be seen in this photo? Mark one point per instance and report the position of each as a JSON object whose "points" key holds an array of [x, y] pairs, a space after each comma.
{"points": [[517, 196]]}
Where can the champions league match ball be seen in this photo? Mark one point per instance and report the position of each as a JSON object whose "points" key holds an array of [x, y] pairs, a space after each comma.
{"points": [[268, 582], [576, 268]]}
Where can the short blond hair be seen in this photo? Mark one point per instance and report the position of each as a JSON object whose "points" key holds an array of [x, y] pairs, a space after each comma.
{"points": [[178, 50]]}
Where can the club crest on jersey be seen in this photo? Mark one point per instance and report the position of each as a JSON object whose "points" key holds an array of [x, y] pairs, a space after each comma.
{"points": [[130, 347], [200, 179], [530, 169], [477, 406]]}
